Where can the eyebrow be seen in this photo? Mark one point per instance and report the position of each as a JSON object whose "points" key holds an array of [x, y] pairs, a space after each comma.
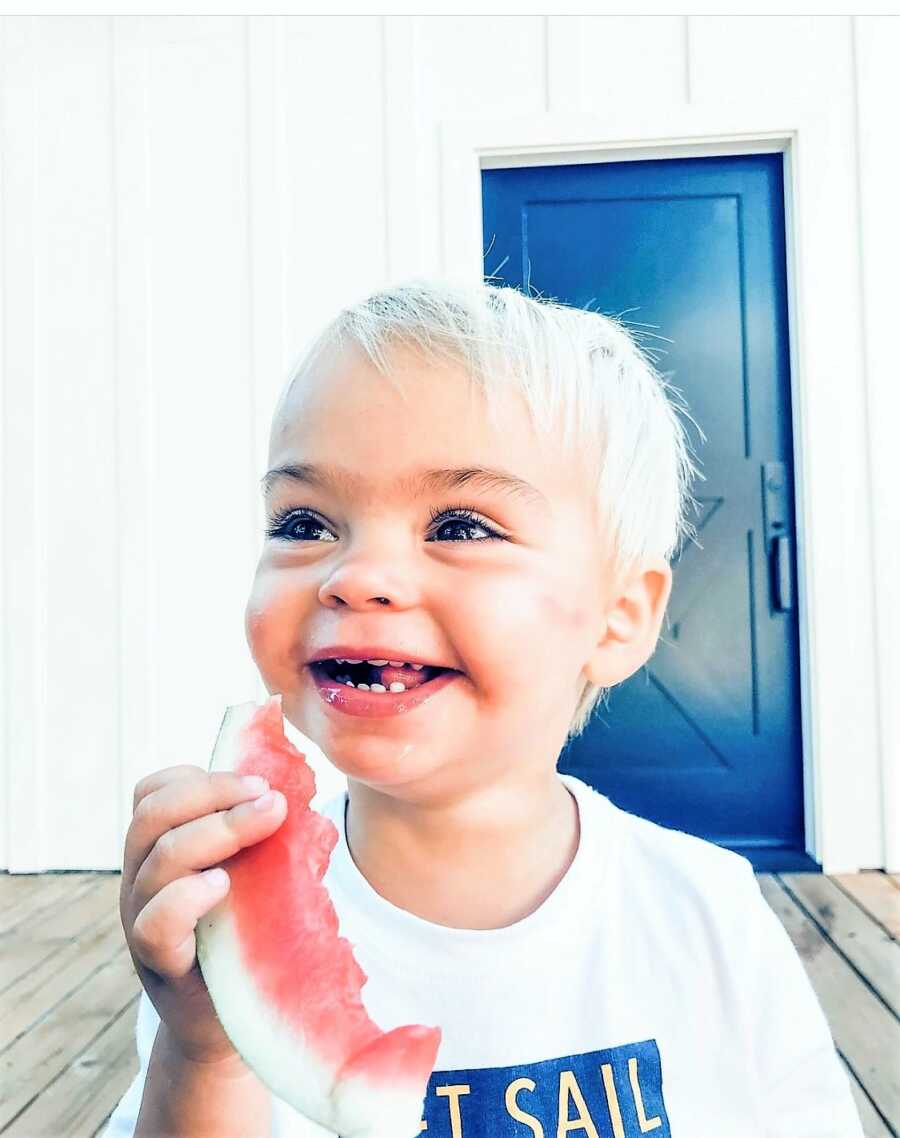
{"points": [[432, 481]]}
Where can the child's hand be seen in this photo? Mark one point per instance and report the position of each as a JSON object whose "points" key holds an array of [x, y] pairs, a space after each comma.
{"points": [[185, 820]]}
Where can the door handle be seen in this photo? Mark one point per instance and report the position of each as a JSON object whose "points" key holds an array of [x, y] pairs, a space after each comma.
{"points": [[784, 591], [776, 519]]}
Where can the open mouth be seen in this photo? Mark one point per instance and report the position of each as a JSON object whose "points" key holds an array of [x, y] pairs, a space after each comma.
{"points": [[378, 678]]}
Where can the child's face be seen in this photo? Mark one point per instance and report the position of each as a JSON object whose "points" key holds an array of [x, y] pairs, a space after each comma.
{"points": [[520, 617]]}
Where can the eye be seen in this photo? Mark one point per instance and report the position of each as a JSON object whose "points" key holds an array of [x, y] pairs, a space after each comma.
{"points": [[283, 523], [462, 517]]}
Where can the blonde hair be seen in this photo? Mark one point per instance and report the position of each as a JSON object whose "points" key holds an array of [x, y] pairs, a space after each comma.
{"points": [[588, 385]]}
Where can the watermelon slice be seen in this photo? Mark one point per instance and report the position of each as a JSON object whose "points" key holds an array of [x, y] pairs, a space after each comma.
{"points": [[285, 986]]}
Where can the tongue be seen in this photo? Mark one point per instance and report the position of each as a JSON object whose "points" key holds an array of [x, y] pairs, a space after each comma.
{"points": [[408, 676]]}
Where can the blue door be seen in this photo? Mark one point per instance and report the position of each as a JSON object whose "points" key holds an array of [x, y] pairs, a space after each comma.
{"points": [[706, 737]]}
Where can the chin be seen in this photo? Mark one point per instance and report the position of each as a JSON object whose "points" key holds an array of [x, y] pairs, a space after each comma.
{"points": [[382, 763]]}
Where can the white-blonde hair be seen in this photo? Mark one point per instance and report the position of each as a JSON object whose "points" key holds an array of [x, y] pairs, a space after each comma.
{"points": [[587, 384]]}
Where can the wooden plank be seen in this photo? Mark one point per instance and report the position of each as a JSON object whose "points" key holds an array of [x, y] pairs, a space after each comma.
{"points": [[873, 1124], [50, 891], [876, 894], [97, 898], [864, 1031], [864, 942], [32, 1063], [32, 941], [81, 1100], [42, 987], [14, 887]]}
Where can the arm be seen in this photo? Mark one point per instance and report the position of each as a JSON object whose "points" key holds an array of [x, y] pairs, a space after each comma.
{"points": [[185, 1099], [170, 1096]]}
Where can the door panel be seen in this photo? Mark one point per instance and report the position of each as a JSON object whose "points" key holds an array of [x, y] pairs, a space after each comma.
{"points": [[690, 254]]}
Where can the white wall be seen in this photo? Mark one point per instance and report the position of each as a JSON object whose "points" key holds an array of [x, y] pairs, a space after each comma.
{"points": [[184, 201]]}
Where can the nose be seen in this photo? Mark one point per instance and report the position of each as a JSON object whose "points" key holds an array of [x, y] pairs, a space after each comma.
{"points": [[364, 583]]}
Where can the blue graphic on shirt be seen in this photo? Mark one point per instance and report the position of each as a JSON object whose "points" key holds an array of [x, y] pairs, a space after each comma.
{"points": [[613, 1093]]}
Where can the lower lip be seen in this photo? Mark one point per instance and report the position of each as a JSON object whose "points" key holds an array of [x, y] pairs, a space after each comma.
{"points": [[352, 701]]}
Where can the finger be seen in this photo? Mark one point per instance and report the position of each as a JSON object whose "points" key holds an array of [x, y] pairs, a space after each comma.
{"points": [[159, 778], [204, 842], [179, 800], [163, 933]]}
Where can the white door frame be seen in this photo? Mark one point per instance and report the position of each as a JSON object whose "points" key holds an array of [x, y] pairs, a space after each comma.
{"points": [[847, 813]]}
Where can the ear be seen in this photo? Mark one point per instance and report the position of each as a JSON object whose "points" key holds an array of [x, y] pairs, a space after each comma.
{"points": [[631, 625]]}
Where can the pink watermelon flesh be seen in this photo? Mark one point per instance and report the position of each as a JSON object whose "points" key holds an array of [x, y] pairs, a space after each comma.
{"points": [[287, 930]]}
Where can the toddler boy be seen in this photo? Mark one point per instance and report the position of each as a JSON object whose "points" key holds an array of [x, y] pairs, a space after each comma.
{"points": [[472, 500]]}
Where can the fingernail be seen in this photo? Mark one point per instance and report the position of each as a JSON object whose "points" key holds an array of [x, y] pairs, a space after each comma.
{"points": [[217, 878], [267, 801], [254, 783]]}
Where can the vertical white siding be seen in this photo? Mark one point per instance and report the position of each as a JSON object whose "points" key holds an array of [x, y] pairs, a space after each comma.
{"points": [[335, 223], [184, 201], [267, 252], [193, 445], [632, 59], [876, 43], [800, 56], [469, 66], [60, 528], [23, 552], [75, 433], [137, 742]]}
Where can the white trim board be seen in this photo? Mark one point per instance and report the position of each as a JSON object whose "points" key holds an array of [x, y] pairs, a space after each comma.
{"points": [[842, 761]]}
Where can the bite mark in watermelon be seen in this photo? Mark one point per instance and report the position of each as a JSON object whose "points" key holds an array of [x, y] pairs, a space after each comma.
{"points": [[285, 985]]}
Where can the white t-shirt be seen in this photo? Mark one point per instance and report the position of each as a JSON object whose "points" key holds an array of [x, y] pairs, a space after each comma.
{"points": [[653, 992]]}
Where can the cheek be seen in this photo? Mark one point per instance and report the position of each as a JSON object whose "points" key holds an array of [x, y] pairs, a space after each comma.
{"points": [[505, 624], [270, 622]]}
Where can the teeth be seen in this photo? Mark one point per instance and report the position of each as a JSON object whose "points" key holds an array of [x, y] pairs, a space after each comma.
{"points": [[381, 663], [395, 687]]}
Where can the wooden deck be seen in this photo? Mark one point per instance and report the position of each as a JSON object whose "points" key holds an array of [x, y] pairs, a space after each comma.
{"points": [[68, 993]]}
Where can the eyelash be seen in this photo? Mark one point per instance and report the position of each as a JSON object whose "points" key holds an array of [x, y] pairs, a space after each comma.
{"points": [[278, 523]]}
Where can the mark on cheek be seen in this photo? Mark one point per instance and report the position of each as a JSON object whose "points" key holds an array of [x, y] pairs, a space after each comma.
{"points": [[558, 611]]}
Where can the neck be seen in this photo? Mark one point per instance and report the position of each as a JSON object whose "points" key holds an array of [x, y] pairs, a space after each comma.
{"points": [[482, 861]]}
